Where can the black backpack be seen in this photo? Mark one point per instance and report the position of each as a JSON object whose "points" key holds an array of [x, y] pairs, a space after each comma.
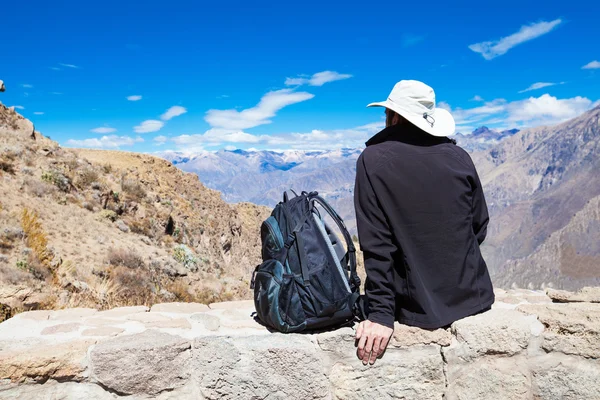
{"points": [[307, 280]]}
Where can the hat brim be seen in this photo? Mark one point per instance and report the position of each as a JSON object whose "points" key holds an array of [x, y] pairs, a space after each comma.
{"points": [[443, 124]]}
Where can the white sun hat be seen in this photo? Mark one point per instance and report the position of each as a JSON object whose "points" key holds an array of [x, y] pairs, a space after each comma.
{"points": [[415, 101]]}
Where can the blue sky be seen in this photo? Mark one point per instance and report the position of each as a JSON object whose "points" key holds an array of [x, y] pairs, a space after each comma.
{"points": [[212, 75]]}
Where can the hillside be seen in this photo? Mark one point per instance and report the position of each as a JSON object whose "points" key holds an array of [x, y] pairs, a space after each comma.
{"points": [[541, 185], [107, 228]]}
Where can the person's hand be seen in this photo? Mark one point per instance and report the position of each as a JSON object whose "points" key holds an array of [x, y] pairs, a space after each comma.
{"points": [[372, 339]]}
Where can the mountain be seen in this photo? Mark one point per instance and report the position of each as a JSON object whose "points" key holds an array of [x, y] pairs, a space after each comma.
{"points": [[108, 228], [482, 138], [260, 177], [542, 186]]}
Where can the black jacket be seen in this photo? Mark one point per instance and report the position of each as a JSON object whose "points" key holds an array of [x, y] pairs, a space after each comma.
{"points": [[421, 217]]}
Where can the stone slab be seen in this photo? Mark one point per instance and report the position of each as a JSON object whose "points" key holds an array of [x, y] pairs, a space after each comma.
{"points": [[150, 362], [182, 308], [103, 331], [61, 328]]}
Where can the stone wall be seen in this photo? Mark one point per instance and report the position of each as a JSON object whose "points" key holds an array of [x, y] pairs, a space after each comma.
{"points": [[526, 347]]}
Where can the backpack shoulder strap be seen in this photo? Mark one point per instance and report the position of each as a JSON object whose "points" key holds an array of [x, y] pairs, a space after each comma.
{"points": [[354, 278]]}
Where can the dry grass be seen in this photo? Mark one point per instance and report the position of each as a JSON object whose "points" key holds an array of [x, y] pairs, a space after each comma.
{"points": [[137, 286], [35, 237], [133, 189], [142, 227], [38, 188], [125, 258], [86, 177]]}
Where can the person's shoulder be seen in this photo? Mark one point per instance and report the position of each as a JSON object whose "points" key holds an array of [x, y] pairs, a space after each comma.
{"points": [[372, 155], [460, 153]]}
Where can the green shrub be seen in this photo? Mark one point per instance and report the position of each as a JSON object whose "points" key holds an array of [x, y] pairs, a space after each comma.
{"points": [[185, 256], [58, 179]]}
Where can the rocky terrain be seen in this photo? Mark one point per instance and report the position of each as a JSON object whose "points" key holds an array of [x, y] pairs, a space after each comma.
{"points": [[542, 187], [103, 229], [529, 346]]}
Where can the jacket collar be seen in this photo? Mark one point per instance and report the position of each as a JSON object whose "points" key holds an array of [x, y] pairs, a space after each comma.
{"points": [[406, 133]]}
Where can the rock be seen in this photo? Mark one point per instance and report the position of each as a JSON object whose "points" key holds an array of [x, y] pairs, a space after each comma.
{"points": [[497, 331], [210, 322], [60, 361], [166, 295], [233, 305], [76, 286], [247, 368], [122, 226], [565, 378], [54, 390], [101, 322], [405, 336], [72, 313], [14, 295], [169, 267], [37, 315], [185, 308], [150, 362], [571, 328], [415, 373], [490, 379], [587, 294], [180, 323], [61, 328], [122, 311], [103, 331], [148, 317]]}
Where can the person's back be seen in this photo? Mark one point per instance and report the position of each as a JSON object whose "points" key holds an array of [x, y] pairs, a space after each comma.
{"points": [[421, 216]]}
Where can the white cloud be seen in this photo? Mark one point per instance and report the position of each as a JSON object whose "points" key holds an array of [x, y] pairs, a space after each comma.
{"points": [[69, 65], [134, 97], [55, 68], [18, 107], [160, 139], [57, 93], [537, 85], [318, 79], [477, 98], [150, 125], [173, 112], [314, 140], [105, 142], [547, 109], [103, 129], [26, 85], [592, 65], [494, 48], [268, 106], [38, 113], [534, 111], [296, 81]]}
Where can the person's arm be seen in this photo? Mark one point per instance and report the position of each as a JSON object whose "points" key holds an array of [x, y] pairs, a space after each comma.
{"points": [[378, 247], [481, 217], [376, 242]]}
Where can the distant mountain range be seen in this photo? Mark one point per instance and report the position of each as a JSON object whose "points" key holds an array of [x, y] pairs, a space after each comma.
{"points": [[482, 138], [541, 184]]}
